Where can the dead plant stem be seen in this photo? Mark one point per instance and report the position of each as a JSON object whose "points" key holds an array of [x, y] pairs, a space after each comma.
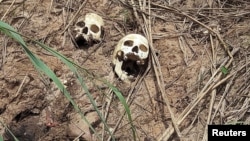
{"points": [[176, 11], [213, 81], [73, 18], [8, 10]]}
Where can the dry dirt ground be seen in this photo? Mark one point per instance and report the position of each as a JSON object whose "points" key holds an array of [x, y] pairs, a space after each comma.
{"points": [[186, 85]]}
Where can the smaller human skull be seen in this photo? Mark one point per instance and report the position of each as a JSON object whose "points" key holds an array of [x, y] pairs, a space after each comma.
{"points": [[89, 30], [130, 56]]}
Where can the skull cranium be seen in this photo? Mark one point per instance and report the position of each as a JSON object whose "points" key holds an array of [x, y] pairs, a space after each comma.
{"points": [[130, 56], [89, 30]]}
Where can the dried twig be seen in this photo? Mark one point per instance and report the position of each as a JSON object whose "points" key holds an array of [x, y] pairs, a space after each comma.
{"points": [[176, 11], [8, 10], [21, 86], [150, 96], [161, 85], [109, 101], [129, 100], [213, 81], [73, 18], [155, 62], [222, 98], [158, 72], [183, 49], [214, 91]]}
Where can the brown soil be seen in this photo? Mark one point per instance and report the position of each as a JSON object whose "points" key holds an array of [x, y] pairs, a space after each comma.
{"points": [[33, 108]]}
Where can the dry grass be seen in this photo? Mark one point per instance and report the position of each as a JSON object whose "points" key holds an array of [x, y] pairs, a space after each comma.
{"points": [[214, 19]]}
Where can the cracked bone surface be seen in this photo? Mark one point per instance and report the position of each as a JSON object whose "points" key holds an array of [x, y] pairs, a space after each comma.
{"points": [[89, 30], [130, 54]]}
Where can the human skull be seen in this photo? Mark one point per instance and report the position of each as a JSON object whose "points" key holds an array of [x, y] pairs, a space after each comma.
{"points": [[89, 30], [130, 56]]}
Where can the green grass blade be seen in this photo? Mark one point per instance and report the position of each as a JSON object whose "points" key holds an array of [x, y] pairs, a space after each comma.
{"points": [[41, 66], [73, 68], [115, 90], [126, 107], [1, 138], [14, 137], [8, 30], [224, 70]]}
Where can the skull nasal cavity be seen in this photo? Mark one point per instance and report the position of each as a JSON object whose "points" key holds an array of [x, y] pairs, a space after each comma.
{"points": [[135, 49], [85, 30], [94, 28]]}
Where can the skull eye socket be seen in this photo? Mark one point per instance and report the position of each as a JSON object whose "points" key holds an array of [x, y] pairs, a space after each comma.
{"points": [[143, 48], [80, 24], [94, 28], [128, 43]]}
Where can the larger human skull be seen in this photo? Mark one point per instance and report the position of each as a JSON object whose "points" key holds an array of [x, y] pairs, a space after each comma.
{"points": [[130, 56], [89, 30]]}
